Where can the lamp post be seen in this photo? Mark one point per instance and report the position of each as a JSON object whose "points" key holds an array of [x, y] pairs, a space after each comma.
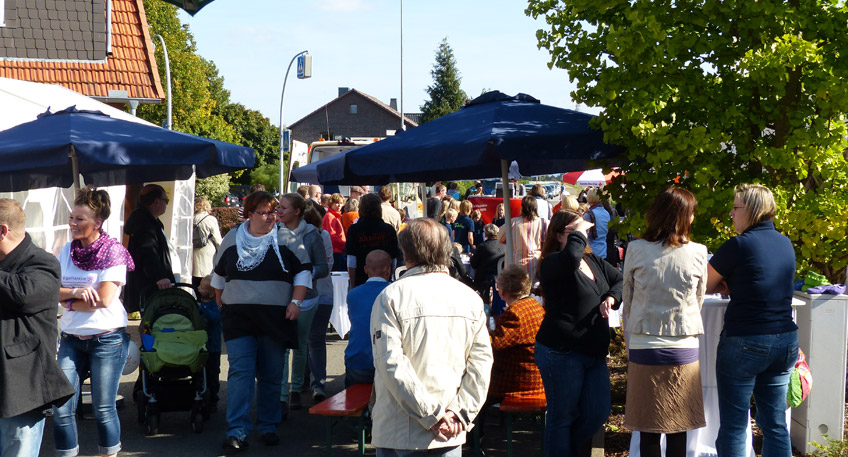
{"points": [[283, 166], [168, 124], [402, 124]]}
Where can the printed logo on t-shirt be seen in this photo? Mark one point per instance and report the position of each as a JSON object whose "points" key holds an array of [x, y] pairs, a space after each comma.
{"points": [[86, 280]]}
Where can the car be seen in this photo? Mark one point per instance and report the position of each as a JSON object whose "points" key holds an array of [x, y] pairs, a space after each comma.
{"points": [[231, 200]]}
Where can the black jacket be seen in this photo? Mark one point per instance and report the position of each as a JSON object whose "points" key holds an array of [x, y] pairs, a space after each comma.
{"points": [[573, 319], [485, 261], [30, 377], [149, 250]]}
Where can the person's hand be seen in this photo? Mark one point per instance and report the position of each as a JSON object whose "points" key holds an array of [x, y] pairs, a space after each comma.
{"points": [[606, 306], [163, 283], [448, 427], [87, 294], [580, 225], [292, 312]]}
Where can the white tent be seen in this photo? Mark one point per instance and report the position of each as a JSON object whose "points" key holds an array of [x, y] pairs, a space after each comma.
{"points": [[47, 210]]}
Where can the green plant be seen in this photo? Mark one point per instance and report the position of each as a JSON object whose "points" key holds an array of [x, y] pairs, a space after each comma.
{"points": [[227, 218], [214, 188], [831, 448]]}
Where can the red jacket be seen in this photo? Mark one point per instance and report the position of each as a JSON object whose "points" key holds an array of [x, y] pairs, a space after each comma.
{"points": [[333, 225]]}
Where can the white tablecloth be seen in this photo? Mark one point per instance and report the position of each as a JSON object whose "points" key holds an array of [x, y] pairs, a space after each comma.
{"points": [[339, 318]]}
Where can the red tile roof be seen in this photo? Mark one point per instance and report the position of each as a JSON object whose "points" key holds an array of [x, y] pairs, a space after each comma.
{"points": [[131, 67]]}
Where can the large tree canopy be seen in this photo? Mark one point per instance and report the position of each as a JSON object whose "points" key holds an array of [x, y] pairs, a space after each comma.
{"points": [[445, 94], [713, 94]]}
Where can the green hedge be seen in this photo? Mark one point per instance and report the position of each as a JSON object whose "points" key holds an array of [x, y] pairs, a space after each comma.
{"points": [[227, 218]]}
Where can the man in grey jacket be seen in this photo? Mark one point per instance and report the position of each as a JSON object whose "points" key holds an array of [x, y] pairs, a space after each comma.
{"points": [[432, 354], [30, 377]]}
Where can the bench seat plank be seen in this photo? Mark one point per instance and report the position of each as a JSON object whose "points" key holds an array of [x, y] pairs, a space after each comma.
{"points": [[349, 402]]}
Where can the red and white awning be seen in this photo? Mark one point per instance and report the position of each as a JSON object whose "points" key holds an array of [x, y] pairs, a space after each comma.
{"points": [[586, 178]]}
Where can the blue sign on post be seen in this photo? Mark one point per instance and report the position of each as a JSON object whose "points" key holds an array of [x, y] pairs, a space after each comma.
{"points": [[304, 66], [286, 140]]}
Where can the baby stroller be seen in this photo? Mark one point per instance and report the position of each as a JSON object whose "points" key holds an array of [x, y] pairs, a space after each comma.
{"points": [[173, 356]]}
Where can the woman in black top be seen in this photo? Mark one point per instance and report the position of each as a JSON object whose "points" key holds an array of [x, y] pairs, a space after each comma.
{"points": [[580, 288]]}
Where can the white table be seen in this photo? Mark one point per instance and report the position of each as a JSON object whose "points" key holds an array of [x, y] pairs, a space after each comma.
{"points": [[339, 318]]}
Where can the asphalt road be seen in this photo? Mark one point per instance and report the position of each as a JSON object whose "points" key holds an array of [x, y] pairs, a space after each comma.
{"points": [[301, 435]]}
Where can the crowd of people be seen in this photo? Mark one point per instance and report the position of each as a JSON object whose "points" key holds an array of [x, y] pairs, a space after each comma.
{"points": [[429, 339]]}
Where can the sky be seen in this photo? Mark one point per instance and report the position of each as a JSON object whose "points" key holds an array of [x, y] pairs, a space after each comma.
{"points": [[356, 44]]}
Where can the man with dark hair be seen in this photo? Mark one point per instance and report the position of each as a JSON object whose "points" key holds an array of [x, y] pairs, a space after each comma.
{"points": [[434, 203], [432, 354], [30, 378], [367, 234], [148, 247], [390, 214]]}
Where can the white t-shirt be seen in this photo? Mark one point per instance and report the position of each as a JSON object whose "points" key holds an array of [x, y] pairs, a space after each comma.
{"points": [[84, 323]]}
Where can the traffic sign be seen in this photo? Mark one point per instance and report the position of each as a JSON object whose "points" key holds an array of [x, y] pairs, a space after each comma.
{"points": [[286, 140], [304, 66]]}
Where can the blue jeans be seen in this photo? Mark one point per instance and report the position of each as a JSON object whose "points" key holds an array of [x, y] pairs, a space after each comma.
{"points": [[355, 376], [577, 387], [455, 451], [102, 359], [318, 345], [255, 362], [20, 436], [758, 365], [298, 359]]}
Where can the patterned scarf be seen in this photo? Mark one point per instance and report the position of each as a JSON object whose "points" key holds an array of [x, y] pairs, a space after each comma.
{"points": [[103, 253], [251, 249]]}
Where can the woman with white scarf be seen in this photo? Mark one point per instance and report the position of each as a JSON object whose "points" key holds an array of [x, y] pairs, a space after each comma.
{"points": [[260, 280]]}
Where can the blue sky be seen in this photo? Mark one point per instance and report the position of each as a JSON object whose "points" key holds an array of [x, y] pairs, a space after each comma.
{"points": [[355, 43]]}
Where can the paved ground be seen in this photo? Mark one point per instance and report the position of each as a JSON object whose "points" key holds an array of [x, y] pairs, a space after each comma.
{"points": [[301, 435]]}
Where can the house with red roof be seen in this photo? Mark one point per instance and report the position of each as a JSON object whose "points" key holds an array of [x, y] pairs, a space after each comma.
{"points": [[99, 48]]}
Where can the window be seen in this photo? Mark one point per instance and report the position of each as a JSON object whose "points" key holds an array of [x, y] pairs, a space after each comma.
{"points": [[2, 13], [353, 109]]}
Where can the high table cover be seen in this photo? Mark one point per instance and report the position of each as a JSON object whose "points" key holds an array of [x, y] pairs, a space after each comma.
{"points": [[339, 318]]}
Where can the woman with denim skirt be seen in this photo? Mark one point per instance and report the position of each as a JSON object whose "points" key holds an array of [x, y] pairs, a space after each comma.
{"points": [[260, 278], [579, 288], [758, 346], [94, 340]]}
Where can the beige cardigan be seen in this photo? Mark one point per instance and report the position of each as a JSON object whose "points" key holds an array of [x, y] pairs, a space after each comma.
{"points": [[664, 288]]}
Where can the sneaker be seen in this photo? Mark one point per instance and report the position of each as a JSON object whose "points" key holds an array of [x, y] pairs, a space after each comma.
{"points": [[284, 408], [318, 394], [233, 445], [271, 439], [294, 401]]}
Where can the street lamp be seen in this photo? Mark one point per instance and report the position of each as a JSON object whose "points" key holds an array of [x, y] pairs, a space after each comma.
{"points": [[283, 167], [168, 124]]}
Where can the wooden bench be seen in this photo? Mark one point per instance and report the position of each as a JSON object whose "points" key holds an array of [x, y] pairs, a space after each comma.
{"points": [[522, 405], [350, 402]]}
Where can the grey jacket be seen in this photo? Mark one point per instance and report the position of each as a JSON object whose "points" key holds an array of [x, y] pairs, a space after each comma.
{"points": [[664, 288], [310, 237]]}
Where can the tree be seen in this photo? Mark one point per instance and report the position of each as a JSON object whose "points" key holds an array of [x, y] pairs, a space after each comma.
{"points": [[267, 174], [712, 94], [192, 102], [445, 94], [214, 188]]}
